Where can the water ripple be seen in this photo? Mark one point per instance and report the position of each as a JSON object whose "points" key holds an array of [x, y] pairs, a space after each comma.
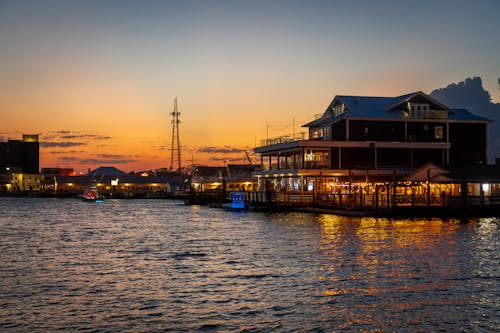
{"points": [[157, 266]]}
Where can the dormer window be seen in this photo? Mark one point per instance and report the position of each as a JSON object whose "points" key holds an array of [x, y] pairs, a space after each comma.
{"points": [[418, 110], [338, 110]]}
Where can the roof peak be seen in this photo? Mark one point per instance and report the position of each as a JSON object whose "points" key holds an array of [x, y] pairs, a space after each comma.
{"points": [[400, 96]]}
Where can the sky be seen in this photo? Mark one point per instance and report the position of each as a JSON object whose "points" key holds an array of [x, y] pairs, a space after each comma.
{"points": [[97, 79]]}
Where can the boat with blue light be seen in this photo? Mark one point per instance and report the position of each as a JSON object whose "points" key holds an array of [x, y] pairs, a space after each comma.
{"points": [[237, 203]]}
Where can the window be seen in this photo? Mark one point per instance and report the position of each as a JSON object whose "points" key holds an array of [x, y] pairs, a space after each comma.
{"points": [[418, 110], [317, 134], [438, 132]]}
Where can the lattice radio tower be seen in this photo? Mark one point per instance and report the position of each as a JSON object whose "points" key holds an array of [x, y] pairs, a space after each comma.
{"points": [[176, 146]]}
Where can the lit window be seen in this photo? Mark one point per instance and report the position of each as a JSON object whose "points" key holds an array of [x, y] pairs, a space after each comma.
{"points": [[438, 132]]}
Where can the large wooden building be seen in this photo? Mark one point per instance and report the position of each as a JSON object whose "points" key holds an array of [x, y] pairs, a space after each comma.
{"points": [[369, 139]]}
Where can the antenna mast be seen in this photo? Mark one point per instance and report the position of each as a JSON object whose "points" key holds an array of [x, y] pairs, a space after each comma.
{"points": [[175, 137]]}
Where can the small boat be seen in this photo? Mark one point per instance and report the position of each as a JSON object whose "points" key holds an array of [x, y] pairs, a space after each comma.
{"points": [[91, 195], [237, 203]]}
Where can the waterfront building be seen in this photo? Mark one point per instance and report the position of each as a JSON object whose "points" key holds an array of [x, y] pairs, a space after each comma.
{"points": [[112, 182], [51, 172], [123, 186], [233, 177], [19, 183], [20, 156], [359, 143]]}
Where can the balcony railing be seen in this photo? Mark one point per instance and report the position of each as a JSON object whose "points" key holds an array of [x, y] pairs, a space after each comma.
{"points": [[284, 138]]}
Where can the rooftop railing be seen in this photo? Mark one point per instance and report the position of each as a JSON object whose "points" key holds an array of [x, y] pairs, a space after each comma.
{"points": [[284, 138]]}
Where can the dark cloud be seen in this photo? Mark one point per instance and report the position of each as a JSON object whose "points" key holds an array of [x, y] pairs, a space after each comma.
{"points": [[110, 156], [62, 144], [85, 136], [56, 152], [470, 94], [222, 159], [221, 150], [107, 161], [70, 135], [161, 148], [69, 159]]}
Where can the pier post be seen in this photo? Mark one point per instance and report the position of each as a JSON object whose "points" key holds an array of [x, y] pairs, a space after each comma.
{"points": [[481, 193], [361, 198], [389, 195], [464, 193], [301, 188], [394, 193]]}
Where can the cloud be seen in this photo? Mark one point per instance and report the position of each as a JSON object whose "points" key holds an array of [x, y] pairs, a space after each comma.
{"points": [[222, 159], [161, 147], [56, 152], [85, 136], [221, 150], [62, 144], [110, 156], [70, 135], [471, 95], [107, 161], [69, 159]]}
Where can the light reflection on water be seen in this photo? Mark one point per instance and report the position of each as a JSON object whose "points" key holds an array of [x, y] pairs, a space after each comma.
{"points": [[142, 266]]}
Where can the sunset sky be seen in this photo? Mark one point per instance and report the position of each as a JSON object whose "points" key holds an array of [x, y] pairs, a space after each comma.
{"points": [[97, 79]]}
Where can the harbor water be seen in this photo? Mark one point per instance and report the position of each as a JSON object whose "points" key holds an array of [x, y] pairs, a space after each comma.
{"points": [[159, 266]]}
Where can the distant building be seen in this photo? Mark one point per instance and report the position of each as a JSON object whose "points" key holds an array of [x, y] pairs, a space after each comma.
{"points": [[24, 182], [51, 172], [113, 183], [107, 171], [235, 177], [20, 156]]}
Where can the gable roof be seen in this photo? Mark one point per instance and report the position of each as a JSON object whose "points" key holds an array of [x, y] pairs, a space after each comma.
{"points": [[383, 108], [447, 174], [432, 173], [463, 114], [106, 171]]}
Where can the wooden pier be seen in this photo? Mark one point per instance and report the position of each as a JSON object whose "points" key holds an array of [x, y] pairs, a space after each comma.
{"points": [[387, 202]]}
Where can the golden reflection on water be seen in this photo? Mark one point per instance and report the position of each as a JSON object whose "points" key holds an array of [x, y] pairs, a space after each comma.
{"points": [[366, 258]]}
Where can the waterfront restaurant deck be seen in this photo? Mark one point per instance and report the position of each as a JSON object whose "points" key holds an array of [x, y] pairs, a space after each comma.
{"points": [[430, 188], [380, 199]]}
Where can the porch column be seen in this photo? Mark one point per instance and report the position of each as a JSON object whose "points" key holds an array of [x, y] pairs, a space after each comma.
{"points": [[447, 141], [340, 158], [302, 159], [301, 188]]}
